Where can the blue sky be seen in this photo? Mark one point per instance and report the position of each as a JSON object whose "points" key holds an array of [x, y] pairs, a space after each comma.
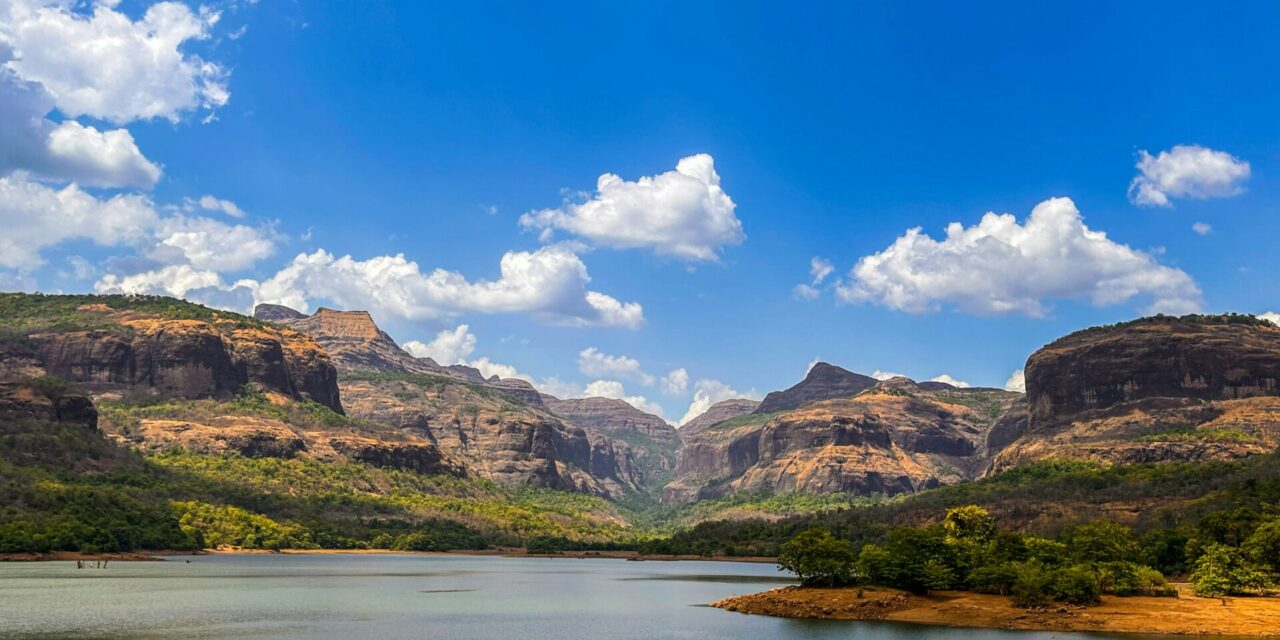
{"points": [[385, 129]]}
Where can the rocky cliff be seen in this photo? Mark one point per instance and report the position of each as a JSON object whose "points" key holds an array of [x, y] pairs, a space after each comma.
{"points": [[1154, 389], [494, 435], [823, 382], [146, 346], [719, 412], [653, 442], [891, 438], [495, 428], [356, 343]]}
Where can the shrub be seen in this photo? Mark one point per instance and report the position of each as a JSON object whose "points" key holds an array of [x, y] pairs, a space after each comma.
{"points": [[1030, 589], [818, 559], [1076, 585]]}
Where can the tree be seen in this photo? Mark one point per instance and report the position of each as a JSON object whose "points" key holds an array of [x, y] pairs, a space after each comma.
{"points": [[970, 522], [1101, 541], [1222, 571], [818, 558], [1263, 547]]}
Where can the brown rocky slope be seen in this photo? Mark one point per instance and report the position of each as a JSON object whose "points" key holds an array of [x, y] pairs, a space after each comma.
{"points": [[653, 442], [497, 428], [892, 438], [1152, 390]]}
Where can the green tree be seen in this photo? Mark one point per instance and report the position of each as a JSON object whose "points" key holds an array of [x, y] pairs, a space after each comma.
{"points": [[818, 559], [1222, 571], [969, 523], [1263, 546], [1101, 541]]}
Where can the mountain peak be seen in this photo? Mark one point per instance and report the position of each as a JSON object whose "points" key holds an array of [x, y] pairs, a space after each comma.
{"points": [[823, 382]]}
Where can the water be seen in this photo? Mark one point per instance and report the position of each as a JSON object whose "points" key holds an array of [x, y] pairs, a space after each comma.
{"points": [[413, 596]]}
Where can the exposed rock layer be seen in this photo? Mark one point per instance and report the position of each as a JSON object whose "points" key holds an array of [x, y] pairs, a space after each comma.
{"points": [[823, 382], [719, 412]]}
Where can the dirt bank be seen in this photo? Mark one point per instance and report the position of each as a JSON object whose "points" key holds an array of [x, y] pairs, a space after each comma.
{"points": [[1186, 614]]}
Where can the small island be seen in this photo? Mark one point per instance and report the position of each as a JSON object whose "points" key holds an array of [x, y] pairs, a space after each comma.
{"points": [[965, 572]]}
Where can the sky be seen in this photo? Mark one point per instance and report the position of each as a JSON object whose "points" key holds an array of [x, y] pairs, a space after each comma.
{"points": [[670, 203]]}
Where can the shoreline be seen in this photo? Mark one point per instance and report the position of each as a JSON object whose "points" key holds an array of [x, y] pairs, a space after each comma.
{"points": [[1184, 615], [511, 552]]}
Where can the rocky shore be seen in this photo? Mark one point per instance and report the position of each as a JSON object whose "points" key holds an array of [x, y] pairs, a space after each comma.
{"points": [[1187, 614]]}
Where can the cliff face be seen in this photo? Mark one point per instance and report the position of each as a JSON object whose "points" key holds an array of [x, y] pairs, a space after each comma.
{"points": [[494, 435], [719, 412], [653, 442], [1154, 389], [890, 439], [355, 343], [137, 352], [823, 382], [494, 428]]}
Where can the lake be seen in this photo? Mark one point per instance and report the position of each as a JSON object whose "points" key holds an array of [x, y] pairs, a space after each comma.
{"points": [[412, 597]]}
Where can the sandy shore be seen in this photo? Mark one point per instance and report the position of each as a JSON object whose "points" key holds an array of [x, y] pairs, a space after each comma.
{"points": [[510, 552], [1186, 614]]}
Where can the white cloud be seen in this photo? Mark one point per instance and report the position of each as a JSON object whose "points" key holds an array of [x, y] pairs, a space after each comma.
{"points": [[682, 213], [1201, 228], [489, 368], [805, 292], [676, 382], [549, 283], [66, 151], [999, 266], [173, 280], [35, 216], [210, 244], [450, 346], [708, 392], [1186, 171], [210, 203], [944, 378], [886, 375], [1017, 382], [106, 65], [613, 389], [820, 268], [594, 363]]}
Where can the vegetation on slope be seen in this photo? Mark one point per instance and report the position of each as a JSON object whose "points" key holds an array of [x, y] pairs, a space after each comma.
{"points": [[26, 312]]}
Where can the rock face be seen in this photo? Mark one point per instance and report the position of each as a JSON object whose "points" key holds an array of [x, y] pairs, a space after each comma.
{"points": [[356, 343], [187, 358], [496, 436], [494, 428], [1154, 389], [823, 382], [719, 412], [653, 442], [54, 427], [889, 439]]}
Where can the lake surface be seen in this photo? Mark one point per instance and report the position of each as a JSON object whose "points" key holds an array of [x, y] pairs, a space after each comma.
{"points": [[413, 596]]}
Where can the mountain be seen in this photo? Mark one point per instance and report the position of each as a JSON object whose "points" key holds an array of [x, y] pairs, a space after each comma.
{"points": [[823, 382], [653, 442], [717, 413], [1150, 390], [356, 343], [888, 438], [497, 429], [159, 347]]}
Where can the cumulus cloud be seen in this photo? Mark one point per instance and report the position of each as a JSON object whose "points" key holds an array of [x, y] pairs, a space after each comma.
{"points": [[210, 244], [173, 280], [949, 380], [1202, 228], [594, 363], [886, 375], [676, 382], [614, 389], [682, 213], [708, 392], [106, 65], [450, 346], [820, 268], [1186, 171], [35, 216], [1017, 382], [999, 266], [210, 203], [66, 151], [549, 283]]}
